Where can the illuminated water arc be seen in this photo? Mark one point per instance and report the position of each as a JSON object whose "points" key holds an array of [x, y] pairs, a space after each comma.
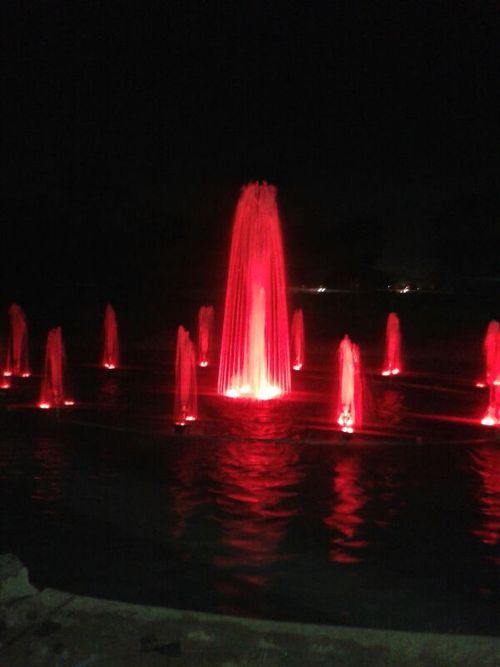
{"points": [[185, 399], [349, 413], [392, 362], [52, 392], [297, 339], [17, 363], [205, 335], [111, 351]]}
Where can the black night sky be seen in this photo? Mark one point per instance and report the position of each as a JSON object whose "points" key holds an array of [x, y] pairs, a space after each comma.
{"points": [[128, 129]]}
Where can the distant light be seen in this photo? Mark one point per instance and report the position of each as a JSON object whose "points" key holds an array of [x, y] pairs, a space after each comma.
{"points": [[44, 406], [481, 385], [386, 373], [321, 290], [395, 371], [297, 367], [7, 374], [203, 364], [69, 402], [109, 366], [190, 418], [5, 385], [25, 375]]}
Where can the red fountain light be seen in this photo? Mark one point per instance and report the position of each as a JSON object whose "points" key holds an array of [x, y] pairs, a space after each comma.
{"points": [[297, 336], [185, 402], [350, 393], [392, 361], [111, 353], [17, 351], [205, 334], [492, 374], [52, 390], [255, 355]]}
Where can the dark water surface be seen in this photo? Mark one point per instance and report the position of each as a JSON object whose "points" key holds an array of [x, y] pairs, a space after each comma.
{"points": [[264, 510]]}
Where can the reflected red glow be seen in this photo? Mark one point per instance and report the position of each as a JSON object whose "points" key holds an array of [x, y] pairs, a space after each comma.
{"points": [[256, 490], [17, 351], [350, 392], [255, 358], [487, 463], [52, 389], [345, 520], [185, 401], [392, 361], [205, 334], [111, 353], [297, 338]]}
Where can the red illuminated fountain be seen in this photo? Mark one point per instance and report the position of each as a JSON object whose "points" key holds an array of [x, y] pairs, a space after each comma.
{"points": [[491, 347], [185, 403], [110, 355], [17, 351], [492, 374], [255, 356], [350, 390], [52, 391], [392, 362], [297, 336], [205, 334]]}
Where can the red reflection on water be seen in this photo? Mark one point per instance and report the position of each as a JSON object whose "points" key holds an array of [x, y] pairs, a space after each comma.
{"points": [[205, 334], [345, 518], [111, 350], [256, 496], [17, 351], [297, 338], [487, 463], [391, 406], [392, 361], [48, 474], [255, 357]]}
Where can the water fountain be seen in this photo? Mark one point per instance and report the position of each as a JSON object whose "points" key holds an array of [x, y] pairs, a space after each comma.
{"points": [[492, 374], [17, 350], [350, 388], [255, 356], [392, 362], [297, 339], [491, 348], [205, 334], [52, 393], [110, 355], [185, 402]]}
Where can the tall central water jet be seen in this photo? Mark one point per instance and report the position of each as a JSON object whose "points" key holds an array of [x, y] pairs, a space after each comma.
{"points": [[255, 356]]}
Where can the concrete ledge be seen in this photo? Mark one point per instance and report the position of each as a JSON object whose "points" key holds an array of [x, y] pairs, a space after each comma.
{"points": [[55, 629]]}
